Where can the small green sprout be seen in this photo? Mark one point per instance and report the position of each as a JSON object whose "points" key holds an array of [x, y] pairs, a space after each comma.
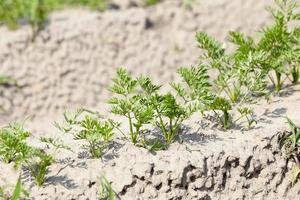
{"points": [[168, 113], [106, 191], [248, 114], [98, 135], [15, 149], [223, 105], [37, 16], [12, 144], [238, 77], [174, 114], [38, 165], [7, 80], [130, 104], [18, 191], [87, 125], [293, 141], [292, 147]]}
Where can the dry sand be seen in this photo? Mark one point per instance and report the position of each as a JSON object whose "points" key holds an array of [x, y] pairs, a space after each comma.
{"points": [[71, 63], [73, 60], [205, 163]]}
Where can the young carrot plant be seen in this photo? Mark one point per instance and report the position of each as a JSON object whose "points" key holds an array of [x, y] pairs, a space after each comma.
{"points": [[87, 125], [281, 43], [168, 113], [238, 79], [292, 147], [140, 101], [223, 105], [195, 88], [237, 83], [196, 91], [248, 114], [130, 104], [38, 164], [98, 135], [13, 147]]}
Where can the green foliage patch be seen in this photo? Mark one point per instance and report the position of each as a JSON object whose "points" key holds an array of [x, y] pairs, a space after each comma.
{"points": [[242, 76], [291, 146], [35, 12], [141, 102], [14, 149], [106, 191], [88, 126], [18, 193]]}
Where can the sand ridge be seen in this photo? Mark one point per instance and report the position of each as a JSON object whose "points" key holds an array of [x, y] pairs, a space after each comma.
{"points": [[71, 63], [204, 163]]}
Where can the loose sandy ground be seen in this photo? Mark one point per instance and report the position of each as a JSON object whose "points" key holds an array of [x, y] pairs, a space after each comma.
{"points": [[71, 63], [205, 162]]}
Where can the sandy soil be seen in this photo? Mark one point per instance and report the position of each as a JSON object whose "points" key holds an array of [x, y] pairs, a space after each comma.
{"points": [[204, 163], [71, 63]]}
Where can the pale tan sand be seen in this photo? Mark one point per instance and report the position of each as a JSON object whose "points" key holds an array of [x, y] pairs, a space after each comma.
{"points": [[73, 60], [209, 163]]}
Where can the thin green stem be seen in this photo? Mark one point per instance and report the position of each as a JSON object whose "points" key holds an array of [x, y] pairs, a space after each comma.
{"points": [[121, 132], [295, 74], [133, 138], [278, 85], [226, 119], [161, 121], [170, 135], [239, 118], [176, 123]]}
